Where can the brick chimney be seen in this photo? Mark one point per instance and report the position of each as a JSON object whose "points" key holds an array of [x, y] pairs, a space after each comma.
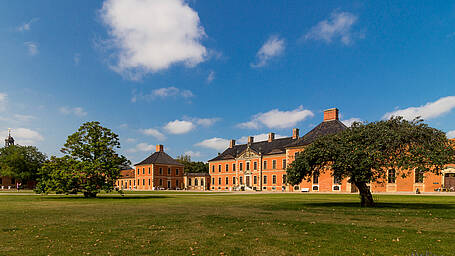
{"points": [[295, 133], [159, 148], [330, 114], [271, 136], [231, 143], [250, 139]]}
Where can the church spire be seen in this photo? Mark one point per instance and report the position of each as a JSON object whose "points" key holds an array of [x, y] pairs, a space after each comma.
{"points": [[9, 141]]}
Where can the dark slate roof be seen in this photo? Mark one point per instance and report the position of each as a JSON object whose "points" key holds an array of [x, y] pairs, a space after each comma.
{"points": [[159, 158], [277, 146], [324, 128], [126, 174]]}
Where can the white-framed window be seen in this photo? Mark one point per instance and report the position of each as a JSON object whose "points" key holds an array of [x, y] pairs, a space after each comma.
{"points": [[265, 179], [274, 164], [273, 179]]}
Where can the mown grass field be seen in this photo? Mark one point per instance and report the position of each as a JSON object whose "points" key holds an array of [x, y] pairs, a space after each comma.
{"points": [[226, 224]]}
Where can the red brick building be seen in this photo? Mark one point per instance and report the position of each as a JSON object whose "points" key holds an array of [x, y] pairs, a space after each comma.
{"points": [[158, 171], [261, 166]]}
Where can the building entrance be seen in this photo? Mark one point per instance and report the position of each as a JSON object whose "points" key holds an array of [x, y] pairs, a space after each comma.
{"points": [[449, 181]]}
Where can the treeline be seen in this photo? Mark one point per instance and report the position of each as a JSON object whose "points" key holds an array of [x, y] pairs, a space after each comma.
{"points": [[193, 167]]}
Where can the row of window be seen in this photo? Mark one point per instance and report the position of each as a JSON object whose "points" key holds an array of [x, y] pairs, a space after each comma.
{"points": [[160, 171], [247, 166], [124, 184], [247, 180], [196, 182], [418, 176]]}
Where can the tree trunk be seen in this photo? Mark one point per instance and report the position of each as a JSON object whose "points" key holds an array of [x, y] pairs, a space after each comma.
{"points": [[89, 194], [366, 199]]}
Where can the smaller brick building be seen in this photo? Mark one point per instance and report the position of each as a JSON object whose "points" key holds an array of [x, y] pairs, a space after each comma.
{"points": [[158, 171], [127, 180], [197, 181]]}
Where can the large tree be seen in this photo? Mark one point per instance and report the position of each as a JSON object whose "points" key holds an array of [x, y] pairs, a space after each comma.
{"points": [[364, 153], [91, 163], [21, 162], [193, 167]]}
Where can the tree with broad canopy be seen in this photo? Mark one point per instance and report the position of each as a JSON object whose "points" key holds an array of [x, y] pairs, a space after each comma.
{"points": [[364, 153], [90, 165]]}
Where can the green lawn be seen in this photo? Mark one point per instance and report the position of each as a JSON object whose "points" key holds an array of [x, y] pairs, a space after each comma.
{"points": [[226, 224]]}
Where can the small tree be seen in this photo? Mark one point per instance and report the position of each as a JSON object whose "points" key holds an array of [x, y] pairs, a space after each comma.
{"points": [[365, 152], [91, 163], [21, 162]]}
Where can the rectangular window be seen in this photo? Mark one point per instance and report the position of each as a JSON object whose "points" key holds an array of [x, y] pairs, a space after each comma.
{"points": [[219, 168], [255, 180], [189, 181], [149, 170], [336, 180], [143, 182], [177, 172], [161, 182], [161, 170], [284, 178], [265, 165], [202, 182], [134, 182], [227, 180], [391, 176], [255, 165], [273, 164], [247, 166], [219, 181], [315, 178], [176, 183], [233, 180], [241, 180], [149, 182], [213, 168], [241, 166], [227, 167], [213, 180], [143, 170], [418, 174], [284, 164], [233, 167], [168, 171], [273, 179], [265, 179], [138, 171]]}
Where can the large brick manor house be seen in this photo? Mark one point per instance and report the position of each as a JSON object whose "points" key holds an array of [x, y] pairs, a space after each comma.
{"points": [[261, 166]]}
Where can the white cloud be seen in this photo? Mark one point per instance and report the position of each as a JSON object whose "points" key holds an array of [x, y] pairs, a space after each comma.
{"points": [[211, 76], [78, 111], [451, 134], [428, 111], [152, 35], [131, 140], [155, 133], [258, 137], [179, 127], [337, 26], [142, 147], [77, 59], [350, 121], [32, 48], [165, 92], [23, 118], [193, 153], [23, 136], [273, 47], [277, 119], [3, 101], [214, 143], [206, 122], [27, 25]]}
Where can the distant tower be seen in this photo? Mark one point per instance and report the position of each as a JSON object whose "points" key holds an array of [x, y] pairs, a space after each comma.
{"points": [[9, 141]]}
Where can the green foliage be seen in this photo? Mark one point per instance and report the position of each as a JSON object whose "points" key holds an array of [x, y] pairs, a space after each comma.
{"points": [[91, 163], [21, 162], [193, 167], [364, 153]]}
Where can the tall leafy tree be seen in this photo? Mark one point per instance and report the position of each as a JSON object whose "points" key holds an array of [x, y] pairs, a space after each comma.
{"points": [[91, 163], [365, 152], [193, 167], [21, 162]]}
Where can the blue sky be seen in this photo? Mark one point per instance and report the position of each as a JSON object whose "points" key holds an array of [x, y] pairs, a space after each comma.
{"points": [[193, 74]]}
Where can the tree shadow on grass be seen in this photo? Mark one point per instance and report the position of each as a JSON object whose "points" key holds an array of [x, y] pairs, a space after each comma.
{"points": [[379, 205], [119, 197]]}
